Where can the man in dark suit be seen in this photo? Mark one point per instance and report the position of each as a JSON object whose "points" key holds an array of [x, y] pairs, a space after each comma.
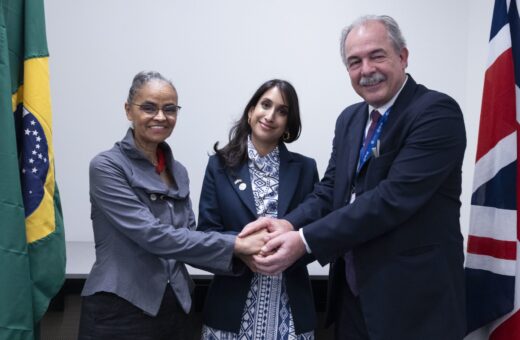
{"points": [[386, 213]]}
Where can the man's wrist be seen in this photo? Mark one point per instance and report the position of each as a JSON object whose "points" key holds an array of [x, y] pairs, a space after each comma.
{"points": [[286, 225]]}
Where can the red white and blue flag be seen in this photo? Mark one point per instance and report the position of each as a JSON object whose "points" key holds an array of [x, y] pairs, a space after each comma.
{"points": [[492, 266]]}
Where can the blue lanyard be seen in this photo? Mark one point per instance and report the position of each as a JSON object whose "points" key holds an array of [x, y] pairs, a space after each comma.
{"points": [[366, 152]]}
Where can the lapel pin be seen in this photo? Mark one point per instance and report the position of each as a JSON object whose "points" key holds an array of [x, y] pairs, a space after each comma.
{"points": [[242, 186], [237, 181]]}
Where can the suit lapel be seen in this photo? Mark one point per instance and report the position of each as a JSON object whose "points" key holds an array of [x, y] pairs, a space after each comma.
{"points": [[241, 183], [288, 179], [354, 137], [347, 152], [351, 144], [401, 103]]}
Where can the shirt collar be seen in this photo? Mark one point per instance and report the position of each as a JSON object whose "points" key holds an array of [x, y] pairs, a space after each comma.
{"points": [[383, 108], [267, 163]]}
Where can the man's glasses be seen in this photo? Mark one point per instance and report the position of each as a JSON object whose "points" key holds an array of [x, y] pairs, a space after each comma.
{"points": [[169, 110]]}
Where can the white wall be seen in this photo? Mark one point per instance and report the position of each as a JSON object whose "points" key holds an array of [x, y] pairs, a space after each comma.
{"points": [[217, 53]]}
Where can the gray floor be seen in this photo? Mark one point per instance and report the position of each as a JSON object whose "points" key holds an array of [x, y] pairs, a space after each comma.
{"points": [[63, 325]]}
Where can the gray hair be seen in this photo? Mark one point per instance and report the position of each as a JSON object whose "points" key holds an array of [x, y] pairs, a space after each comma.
{"points": [[143, 78], [394, 32]]}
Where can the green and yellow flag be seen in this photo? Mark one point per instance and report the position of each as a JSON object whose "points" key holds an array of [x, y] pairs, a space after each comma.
{"points": [[32, 243]]}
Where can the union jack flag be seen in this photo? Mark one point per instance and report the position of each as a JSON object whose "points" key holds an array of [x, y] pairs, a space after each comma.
{"points": [[492, 266]]}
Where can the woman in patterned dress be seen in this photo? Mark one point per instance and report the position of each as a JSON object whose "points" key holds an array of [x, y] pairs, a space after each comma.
{"points": [[255, 175]]}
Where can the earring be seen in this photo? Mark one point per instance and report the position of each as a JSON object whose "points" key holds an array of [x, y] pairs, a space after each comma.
{"points": [[286, 135]]}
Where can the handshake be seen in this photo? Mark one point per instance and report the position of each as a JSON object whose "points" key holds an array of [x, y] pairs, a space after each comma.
{"points": [[268, 245]]}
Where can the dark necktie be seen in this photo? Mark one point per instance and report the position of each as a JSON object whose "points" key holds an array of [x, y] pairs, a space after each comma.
{"points": [[374, 119], [350, 272]]}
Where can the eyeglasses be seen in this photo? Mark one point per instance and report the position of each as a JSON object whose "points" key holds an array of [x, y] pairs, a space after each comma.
{"points": [[169, 110]]}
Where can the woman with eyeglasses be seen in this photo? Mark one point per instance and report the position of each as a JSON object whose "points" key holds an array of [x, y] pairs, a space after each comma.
{"points": [[255, 175], [142, 218]]}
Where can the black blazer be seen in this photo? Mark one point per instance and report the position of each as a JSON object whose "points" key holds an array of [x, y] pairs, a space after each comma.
{"points": [[403, 227], [224, 207]]}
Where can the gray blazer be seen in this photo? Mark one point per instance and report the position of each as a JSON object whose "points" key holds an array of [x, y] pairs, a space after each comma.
{"points": [[143, 230]]}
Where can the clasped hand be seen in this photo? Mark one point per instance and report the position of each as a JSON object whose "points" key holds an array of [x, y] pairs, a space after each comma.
{"points": [[268, 245]]}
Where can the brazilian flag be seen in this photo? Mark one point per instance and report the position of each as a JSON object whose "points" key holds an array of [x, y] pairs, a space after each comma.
{"points": [[32, 243]]}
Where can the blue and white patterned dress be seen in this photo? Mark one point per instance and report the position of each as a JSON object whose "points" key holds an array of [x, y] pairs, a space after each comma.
{"points": [[267, 314]]}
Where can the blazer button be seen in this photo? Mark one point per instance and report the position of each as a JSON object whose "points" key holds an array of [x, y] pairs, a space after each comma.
{"points": [[153, 197]]}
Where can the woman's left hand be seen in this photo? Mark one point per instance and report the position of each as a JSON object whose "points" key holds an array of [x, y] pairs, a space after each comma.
{"points": [[252, 243]]}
